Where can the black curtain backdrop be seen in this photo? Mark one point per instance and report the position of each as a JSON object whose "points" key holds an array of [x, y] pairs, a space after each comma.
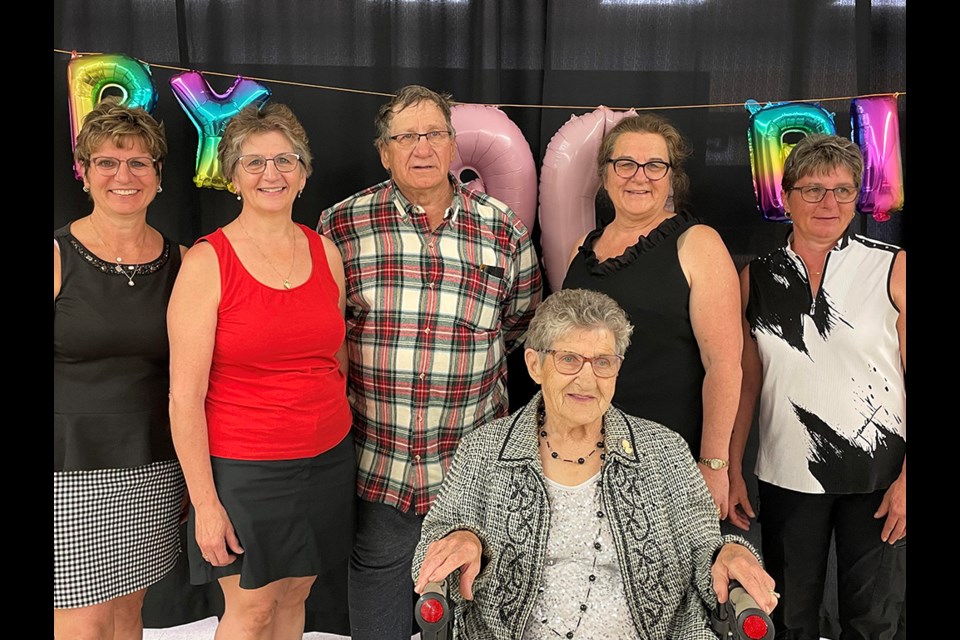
{"points": [[617, 53]]}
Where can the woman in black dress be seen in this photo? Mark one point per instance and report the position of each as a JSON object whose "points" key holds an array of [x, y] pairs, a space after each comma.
{"points": [[117, 486], [674, 278]]}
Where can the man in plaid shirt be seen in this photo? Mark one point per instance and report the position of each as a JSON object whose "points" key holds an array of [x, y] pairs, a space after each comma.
{"points": [[441, 283]]}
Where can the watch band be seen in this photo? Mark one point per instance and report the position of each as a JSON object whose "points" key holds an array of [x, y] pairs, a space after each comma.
{"points": [[714, 463]]}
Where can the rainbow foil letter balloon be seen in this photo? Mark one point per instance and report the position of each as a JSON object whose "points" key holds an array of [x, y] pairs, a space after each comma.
{"points": [[770, 132], [89, 76], [875, 126], [210, 111]]}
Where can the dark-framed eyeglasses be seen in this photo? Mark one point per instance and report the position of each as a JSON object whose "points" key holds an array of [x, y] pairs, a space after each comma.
{"points": [[813, 193], [108, 166], [627, 168], [570, 362], [409, 140], [255, 163]]}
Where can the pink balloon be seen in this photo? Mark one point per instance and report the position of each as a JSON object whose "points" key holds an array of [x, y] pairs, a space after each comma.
{"points": [[876, 128], [569, 185], [493, 147]]}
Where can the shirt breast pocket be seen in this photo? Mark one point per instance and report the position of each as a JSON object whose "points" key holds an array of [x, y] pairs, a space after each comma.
{"points": [[482, 295]]}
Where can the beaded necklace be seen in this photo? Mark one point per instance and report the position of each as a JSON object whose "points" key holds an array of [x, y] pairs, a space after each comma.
{"points": [[597, 509]]}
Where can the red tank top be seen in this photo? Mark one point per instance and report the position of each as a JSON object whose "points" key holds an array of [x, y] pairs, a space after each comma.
{"points": [[276, 391]]}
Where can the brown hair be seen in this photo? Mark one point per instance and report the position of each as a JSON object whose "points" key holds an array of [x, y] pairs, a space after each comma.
{"points": [[409, 96], [116, 123], [677, 148], [272, 116], [820, 154]]}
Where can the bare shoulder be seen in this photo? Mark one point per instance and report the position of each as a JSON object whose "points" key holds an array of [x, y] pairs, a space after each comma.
{"points": [[576, 248], [703, 253], [700, 237], [330, 248], [200, 265]]}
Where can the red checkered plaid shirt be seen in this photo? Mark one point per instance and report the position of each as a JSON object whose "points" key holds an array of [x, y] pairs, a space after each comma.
{"points": [[431, 316]]}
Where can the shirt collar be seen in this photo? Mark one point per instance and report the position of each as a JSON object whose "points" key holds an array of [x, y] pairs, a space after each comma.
{"points": [[405, 208], [841, 244]]}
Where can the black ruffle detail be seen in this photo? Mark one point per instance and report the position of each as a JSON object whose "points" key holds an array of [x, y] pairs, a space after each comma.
{"points": [[669, 228]]}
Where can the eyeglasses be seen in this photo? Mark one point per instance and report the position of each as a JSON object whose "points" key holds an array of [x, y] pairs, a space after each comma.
{"points": [[284, 162], [107, 166], [814, 193], [627, 168], [409, 140], [569, 363]]}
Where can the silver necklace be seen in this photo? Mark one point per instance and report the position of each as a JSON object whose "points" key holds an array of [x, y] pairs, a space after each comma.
{"points": [[132, 270], [293, 257]]}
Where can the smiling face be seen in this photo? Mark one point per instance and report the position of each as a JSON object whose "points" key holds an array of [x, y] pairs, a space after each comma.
{"points": [[638, 198], [123, 194], [825, 221], [422, 170], [271, 191], [579, 399]]}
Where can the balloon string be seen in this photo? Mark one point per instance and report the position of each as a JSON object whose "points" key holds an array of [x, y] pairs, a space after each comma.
{"points": [[567, 107]]}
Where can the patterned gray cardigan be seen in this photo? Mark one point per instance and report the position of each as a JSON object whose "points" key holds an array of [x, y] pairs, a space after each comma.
{"points": [[663, 520]]}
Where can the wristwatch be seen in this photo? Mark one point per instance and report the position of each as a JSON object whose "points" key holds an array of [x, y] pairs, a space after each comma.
{"points": [[714, 463]]}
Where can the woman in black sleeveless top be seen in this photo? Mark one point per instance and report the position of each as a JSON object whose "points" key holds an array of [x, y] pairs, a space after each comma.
{"points": [[117, 487], [676, 281]]}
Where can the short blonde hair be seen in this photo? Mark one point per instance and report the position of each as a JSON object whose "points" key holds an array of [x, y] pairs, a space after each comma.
{"points": [[272, 116], [121, 125]]}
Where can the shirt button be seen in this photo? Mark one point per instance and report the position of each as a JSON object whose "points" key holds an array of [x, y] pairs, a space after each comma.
{"points": [[430, 285], [422, 376], [417, 457], [430, 245], [427, 330]]}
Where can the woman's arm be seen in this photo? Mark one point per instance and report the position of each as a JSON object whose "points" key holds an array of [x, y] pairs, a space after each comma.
{"points": [[715, 317], [894, 503], [56, 270], [335, 263], [741, 510], [192, 325]]}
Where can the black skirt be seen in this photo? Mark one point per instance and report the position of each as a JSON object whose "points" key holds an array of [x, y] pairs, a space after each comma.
{"points": [[294, 518]]}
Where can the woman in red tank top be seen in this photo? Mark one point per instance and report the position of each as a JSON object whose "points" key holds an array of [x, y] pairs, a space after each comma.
{"points": [[258, 403]]}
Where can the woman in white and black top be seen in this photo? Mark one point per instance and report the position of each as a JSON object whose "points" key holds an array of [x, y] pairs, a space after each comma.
{"points": [[825, 326]]}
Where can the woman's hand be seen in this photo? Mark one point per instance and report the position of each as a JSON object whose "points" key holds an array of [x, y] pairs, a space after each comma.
{"points": [[740, 510], [736, 562], [458, 550], [215, 535]]}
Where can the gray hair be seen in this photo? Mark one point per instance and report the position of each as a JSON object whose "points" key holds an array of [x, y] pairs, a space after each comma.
{"points": [[818, 155], [570, 309], [409, 96], [251, 120]]}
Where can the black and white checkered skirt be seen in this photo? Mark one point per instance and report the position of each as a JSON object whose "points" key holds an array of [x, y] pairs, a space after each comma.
{"points": [[115, 531]]}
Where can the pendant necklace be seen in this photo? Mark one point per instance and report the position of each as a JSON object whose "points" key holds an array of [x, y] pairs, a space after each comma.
{"points": [[293, 257], [132, 270]]}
